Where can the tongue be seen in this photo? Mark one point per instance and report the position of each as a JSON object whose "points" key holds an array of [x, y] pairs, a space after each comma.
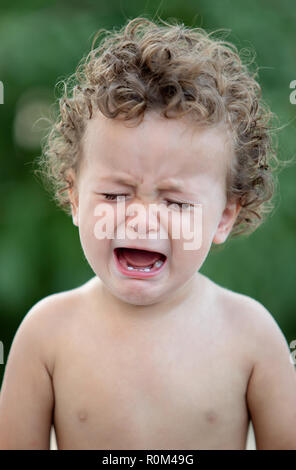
{"points": [[140, 258]]}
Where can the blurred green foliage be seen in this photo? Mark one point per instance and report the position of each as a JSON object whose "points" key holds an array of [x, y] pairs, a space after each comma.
{"points": [[42, 42]]}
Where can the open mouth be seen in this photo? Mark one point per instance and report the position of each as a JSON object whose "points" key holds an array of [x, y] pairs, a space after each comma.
{"points": [[133, 261]]}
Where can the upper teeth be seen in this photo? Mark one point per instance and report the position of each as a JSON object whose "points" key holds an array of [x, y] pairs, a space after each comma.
{"points": [[157, 264]]}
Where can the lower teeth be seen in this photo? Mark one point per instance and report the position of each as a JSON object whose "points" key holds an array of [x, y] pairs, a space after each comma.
{"points": [[130, 268], [157, 264]]}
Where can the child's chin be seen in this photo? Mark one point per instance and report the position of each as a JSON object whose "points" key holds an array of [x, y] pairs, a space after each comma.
{"points": [[138, 292], [139, 302]]}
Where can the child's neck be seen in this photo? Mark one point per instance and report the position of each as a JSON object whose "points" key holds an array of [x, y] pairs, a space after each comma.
{"points": [[158, 312]]}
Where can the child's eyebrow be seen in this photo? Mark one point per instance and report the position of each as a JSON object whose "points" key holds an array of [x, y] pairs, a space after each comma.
{"points": [[170, 184]]}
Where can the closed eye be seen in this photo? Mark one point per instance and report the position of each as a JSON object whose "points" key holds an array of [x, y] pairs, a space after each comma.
{"points": [[112, 197], [184, 205]]}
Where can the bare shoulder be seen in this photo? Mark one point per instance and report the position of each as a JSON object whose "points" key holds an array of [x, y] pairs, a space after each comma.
{"points": [[48, 318], [251, 320], [61, 304]]}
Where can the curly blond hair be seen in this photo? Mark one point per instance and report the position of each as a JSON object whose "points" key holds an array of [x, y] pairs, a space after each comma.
{"points": [[175, 70]]}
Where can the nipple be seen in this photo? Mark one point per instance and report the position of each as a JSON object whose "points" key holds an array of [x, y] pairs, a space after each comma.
{"points": [[211, 416], [82, 415]]}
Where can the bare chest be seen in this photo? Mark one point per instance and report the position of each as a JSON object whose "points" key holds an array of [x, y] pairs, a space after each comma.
{"points": [[179, 389]]}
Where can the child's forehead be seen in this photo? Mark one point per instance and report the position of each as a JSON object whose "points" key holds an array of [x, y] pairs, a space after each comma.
{"points": [[156, 141], [153, 124]]}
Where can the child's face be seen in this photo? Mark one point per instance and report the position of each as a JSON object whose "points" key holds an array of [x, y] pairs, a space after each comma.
{"points": [[156, 150]]}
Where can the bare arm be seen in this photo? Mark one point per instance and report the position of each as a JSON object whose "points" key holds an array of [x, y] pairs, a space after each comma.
{"points": [[271, 394], [26, 398]]}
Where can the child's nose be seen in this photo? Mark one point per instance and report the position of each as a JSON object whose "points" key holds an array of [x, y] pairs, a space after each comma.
{"points": [[142, 216]]}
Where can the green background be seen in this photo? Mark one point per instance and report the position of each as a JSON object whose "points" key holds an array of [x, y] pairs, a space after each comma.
{"points": [[41, 43]]}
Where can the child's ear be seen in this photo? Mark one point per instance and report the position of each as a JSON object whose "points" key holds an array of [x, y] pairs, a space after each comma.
{"points": [[228, 218], [73, 197]]}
